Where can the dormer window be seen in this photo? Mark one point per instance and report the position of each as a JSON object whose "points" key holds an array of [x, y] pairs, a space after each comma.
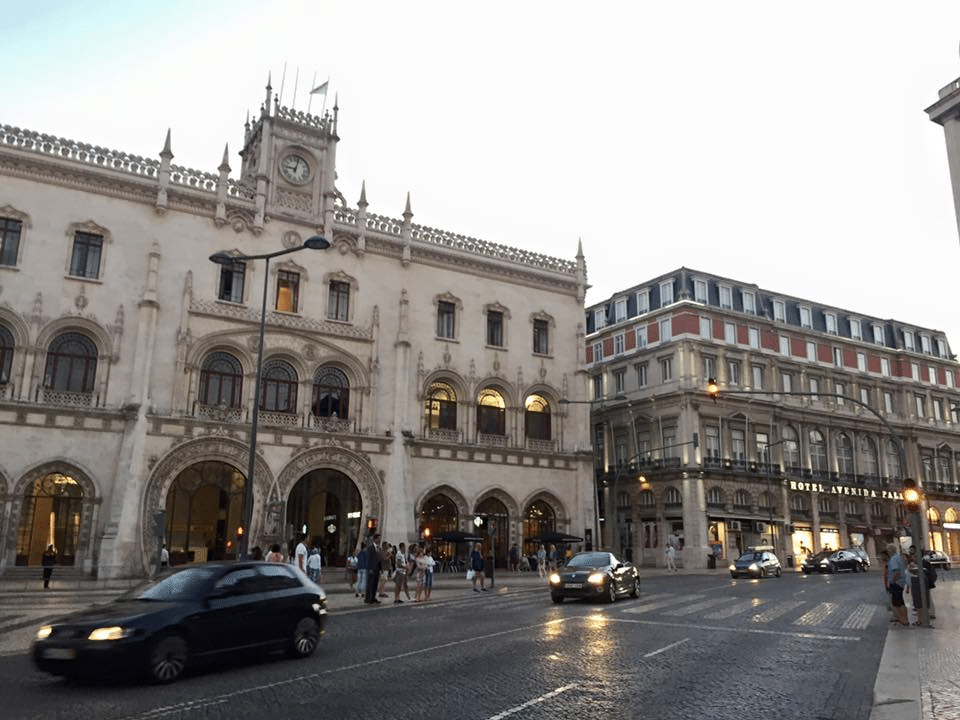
{"points": [[700, 291], [726, 297], [620, 310], [749, 303], [666, 293], [908, 343]]}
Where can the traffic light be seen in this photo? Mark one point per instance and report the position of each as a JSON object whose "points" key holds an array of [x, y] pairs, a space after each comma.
{"points": [[911, 495]]}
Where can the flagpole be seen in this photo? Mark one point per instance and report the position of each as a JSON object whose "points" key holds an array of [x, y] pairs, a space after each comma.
{"points": [[296, 78], [313, 84], [326, 87], [282, 80]]}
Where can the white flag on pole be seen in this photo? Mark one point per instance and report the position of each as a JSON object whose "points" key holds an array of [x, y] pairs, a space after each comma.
{"points": [[321, 88]]}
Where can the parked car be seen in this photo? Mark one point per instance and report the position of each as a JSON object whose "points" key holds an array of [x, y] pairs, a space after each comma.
{"points": [[189, 615], [756, 564], [833, 561], [938, 559], [595, 575]]}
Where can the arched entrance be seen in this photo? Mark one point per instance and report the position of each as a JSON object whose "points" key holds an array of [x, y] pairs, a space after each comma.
{"points": [[327, 503], [50, 515], [438, 514], [538, 519], [496, 528], [204, 509]]}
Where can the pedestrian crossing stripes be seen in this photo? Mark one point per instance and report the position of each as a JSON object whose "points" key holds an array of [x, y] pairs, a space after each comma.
{"points": [[757, 611]]}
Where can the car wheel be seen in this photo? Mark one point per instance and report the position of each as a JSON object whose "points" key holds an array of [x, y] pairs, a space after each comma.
{"points": [[168, 658], [556, 598], [635, 592], [611, 591], [805, 571], [305, 637], [778, 572]]}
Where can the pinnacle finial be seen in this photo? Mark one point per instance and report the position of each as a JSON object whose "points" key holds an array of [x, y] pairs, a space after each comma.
{"points": [[225, 163], [166, 152], [363, 195], [407, 214]]}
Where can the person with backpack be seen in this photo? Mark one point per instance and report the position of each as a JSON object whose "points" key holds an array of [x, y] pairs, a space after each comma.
{"points": [[476, 566]]}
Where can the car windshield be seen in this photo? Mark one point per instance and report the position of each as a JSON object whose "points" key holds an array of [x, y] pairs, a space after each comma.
{"points": [[186, 584], [595, 559], [751, 556]]}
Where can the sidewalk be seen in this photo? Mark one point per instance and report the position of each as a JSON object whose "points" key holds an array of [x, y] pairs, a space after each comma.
{"points": [[917, 675]]}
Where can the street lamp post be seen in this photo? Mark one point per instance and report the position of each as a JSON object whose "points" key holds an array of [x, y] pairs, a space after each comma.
{"points": [[226, 259], [912, 504]]}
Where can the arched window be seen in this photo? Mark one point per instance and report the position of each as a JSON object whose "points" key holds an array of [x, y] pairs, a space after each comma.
{"points": [[868, 449], [646, 499], [221, 380], [766, 501], [51, 515], [537, 418], [278, 387], [331, 393], [791, 448], [71, 364], [933, 516], [6, 354], [715, 497], [799, 503], [491, 413], [944, 473], [538, 519], [441, 407], [878, 511], [672, 497], [741, 499], [893, 460], [951, 515], [439, 514], [818, 452], [826, 505], [844, 454]]}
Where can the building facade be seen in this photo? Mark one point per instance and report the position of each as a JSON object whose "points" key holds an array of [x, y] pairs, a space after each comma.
{"points": [[411, 377], [821, 413]]}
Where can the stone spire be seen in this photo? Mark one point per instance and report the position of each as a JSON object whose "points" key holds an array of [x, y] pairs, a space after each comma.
{"points": [[265, 108], [221, 215], [581, 272], [163, 176], [362, 219], [407, 231]]}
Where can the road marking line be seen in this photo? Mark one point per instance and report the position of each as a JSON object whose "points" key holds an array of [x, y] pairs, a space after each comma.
{"points": [[203, 703], [666, 647], [756, 631], [535, 701], [817, 615]]}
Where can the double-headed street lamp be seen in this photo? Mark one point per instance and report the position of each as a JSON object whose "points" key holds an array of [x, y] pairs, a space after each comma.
{"points": [[912, 496], [227, 260]]}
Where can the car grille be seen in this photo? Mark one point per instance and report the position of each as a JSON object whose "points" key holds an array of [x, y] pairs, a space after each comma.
{"points": [[66, 632]]}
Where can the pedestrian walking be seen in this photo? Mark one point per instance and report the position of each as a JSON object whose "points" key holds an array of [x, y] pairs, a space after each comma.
{"points": [[515, 558], [670, 555], [400, 573], [896, 582], [361, 588], [386, 568], [428, 572], [313, 565], [374, 563], [275, 555], [542, 560], [419, 573], [476, 565], [48, 560], [351, 570], [300, 554], [553, 558]]}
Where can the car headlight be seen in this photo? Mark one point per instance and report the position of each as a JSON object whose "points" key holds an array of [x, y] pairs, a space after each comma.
{"points": [[733, 568], [115, 632], [554, 579], [44, 632], [754, 567], [596, 578]]}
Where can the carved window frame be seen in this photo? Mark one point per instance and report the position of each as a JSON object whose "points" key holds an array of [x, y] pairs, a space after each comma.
{"points": [[8, 212], [88, 228]]}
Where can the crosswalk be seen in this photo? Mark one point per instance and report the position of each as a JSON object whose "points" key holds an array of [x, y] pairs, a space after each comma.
{"points": [[759, 611]]}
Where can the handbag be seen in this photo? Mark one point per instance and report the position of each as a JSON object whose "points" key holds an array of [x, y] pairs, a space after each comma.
{"points": [[471, 573]]}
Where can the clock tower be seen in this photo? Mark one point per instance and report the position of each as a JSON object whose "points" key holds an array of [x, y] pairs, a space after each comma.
{"points": [[289, 163]]}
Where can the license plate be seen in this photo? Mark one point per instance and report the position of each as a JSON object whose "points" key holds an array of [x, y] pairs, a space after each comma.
{"points": [[573, 586], [59, 653]]}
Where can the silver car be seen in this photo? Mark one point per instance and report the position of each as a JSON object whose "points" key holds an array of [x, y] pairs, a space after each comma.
{"points": [[756, 564]]}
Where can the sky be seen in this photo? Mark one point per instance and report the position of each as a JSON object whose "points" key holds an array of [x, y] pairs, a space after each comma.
{"points": [[778, 143]]}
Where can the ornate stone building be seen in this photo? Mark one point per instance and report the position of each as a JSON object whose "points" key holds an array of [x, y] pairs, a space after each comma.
{"points": [[822, 412], [411, 376]]}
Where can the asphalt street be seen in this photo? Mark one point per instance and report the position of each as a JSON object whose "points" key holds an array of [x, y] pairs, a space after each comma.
{"points": [[690, 646]]}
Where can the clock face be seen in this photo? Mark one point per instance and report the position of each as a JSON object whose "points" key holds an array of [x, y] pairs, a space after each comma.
{"points": [[295, 169]]}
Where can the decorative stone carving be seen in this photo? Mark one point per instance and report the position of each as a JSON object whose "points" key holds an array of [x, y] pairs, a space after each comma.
{"points": [[80, 301], [291, 239]]}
